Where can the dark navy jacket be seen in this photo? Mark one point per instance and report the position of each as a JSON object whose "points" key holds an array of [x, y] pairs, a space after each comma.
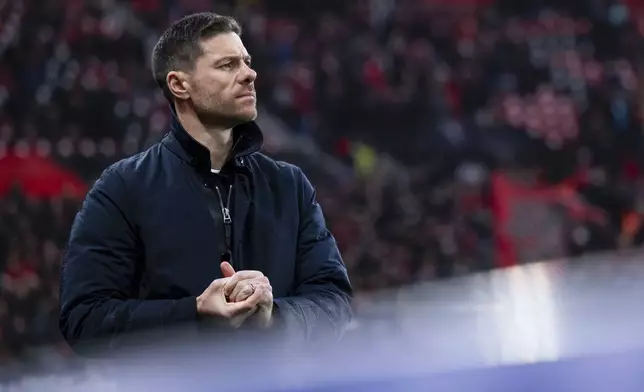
{"points": [[151, 235]]}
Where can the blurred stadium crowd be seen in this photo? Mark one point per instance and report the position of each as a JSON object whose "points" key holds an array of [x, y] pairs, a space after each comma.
{"points": [[436, 106]]}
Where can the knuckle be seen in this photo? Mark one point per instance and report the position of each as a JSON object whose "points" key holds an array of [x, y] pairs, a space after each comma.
{"points": [[216, 283], [230, 286], [241, 298]]}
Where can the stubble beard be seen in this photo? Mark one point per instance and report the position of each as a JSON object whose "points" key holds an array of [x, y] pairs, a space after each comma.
{"points": [[216, 112]]}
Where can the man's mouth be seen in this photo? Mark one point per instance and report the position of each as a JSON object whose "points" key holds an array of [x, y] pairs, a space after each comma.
{"points": [[247, 95]]}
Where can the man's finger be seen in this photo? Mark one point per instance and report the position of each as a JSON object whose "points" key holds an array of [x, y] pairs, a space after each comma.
{"points": [[238, 308], [266, 295], [245, 286], [242, 290], [265, 292], [215, 285], [227, 270], [239, 276]]}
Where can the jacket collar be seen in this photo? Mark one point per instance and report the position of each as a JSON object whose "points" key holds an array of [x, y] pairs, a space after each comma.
{"points": [[247, 139]]}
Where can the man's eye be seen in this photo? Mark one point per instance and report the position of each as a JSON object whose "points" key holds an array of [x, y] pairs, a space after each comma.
{"points": [[227, 65]]}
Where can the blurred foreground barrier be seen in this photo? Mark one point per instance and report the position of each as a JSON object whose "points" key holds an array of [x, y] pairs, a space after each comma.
{"points": [[562, 325]]}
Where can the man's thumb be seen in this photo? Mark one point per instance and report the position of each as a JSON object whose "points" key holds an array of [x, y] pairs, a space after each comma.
{"points": [[227, 270]]}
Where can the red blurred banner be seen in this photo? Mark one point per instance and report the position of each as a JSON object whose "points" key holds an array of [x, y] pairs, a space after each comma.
{"points": [[531, 221], [527, 225], [38, 177]]}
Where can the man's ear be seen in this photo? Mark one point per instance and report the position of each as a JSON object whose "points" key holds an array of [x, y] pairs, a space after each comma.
{"points": [[178, 84]]}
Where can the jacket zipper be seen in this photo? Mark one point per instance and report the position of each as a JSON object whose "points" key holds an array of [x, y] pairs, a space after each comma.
{"points": [[228, 221]]}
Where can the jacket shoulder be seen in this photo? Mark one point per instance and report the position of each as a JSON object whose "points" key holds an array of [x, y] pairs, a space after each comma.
{"points": [[272, 166], [127, 168], [121, 182]]}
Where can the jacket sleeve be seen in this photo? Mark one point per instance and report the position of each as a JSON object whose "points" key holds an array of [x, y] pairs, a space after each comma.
{"points": [[320, 306], [101, 272]]}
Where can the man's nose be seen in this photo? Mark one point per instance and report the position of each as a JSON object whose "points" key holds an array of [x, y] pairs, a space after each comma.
{"points": [[248, 75]]}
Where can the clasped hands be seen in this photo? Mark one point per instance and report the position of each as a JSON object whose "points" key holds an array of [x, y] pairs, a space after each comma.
{"points": [[238, 296]]}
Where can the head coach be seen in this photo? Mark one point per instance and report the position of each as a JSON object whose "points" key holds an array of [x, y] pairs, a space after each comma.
{"points": [[201, 230]]}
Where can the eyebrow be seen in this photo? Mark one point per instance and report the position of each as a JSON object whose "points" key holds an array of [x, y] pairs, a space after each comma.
{"points": [[233, 57]]}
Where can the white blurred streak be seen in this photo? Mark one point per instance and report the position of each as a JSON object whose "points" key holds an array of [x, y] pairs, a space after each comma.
{"points": [[527, 320]]}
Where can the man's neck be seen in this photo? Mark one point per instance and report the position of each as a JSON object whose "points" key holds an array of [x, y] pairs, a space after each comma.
{"points": [[218, 140]]}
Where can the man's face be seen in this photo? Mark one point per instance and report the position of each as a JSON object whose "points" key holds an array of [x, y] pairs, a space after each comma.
{"points": [[222, 83]]}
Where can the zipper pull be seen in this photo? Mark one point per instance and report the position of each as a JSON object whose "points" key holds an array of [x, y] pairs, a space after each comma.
{"points": [[226, 213]]}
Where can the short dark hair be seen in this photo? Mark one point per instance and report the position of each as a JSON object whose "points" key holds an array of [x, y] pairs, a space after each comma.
{"points": [[180, 45]]}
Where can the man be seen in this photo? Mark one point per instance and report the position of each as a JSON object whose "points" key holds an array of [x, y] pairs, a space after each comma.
{"points": [[201, 229]]}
